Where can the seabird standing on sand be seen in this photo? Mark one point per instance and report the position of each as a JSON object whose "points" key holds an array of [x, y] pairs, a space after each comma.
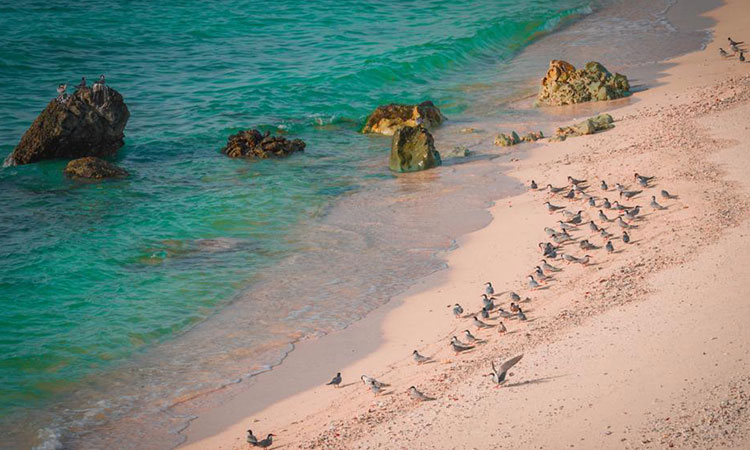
{"points": [[533, 185], [629, 194], [533, 284], [336, 381], [610, 247], [553, 190], [722, 52], [625, 237], [655, 204], [515, 297], [489, 289], [549, 268], [552, 208], [606, 204], [265, 443], [501, 328], [498, 374], [731, 42], [573, 181], [251, 439], [479, 324], [459, 347], [604, 186], [416, 395], [603, 217], [521, 315], [457, 310], [471, 339], [667, 195], [419, 359]]}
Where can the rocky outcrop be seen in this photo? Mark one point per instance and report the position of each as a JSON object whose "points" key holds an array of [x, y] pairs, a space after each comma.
{"points": [[413, 149], [389, 118], [75, 126], [254, 144], [564, 85], [93, 168], [588, 126], [532, 136], [506, 140]]}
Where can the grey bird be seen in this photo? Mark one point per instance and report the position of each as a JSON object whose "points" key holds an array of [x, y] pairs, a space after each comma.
{"points": [[499, 373], [479, 324], [642, 182], [570, 258], [504, 314], [630, 214], [731, 42], [533, 185], [489, 290], [501, 328], [101, 79], [484, 313], [667, 195], [549, 231], [604, 186], [592, 202], [374, 388], [457, 310], [638, 176], [553, 190], [723, 52], [625, 237], [603, 217], [606, 204], [573, 181], [533, 284], [622, 223], [549, 268], [619, 187], [586, 245], [552, 208], [335, 381], [610, 248], [488, 302], [419, 359], [548, 249], [521, 315], [585, 260], [735, 48], [566, 226], [576, 218], [617, 206], [593, 227], [578, 189], [629, 194], [61, 88], [265, 443], [416, 395], [515, 297], [570, 214], [251, 439], [655, 204], [82, 84], [514, 307], [540, 273], [559, 238], [571, 194], [471, 339], [604, 234], [369, 380], [458, 346]]}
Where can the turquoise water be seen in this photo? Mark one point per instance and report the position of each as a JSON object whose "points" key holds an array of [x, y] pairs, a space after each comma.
{"points": [[94, 276]]}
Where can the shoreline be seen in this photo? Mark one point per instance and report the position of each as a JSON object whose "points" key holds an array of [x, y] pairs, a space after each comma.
{"points": [[399, 313]]}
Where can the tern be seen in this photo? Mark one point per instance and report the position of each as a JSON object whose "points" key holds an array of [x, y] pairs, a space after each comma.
{"points": [[489, 289], [419, 359], [458, 346], [416, 395], [335, 381], [499, 374]]}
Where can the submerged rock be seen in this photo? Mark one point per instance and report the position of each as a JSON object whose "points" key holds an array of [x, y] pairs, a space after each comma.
{"points": [[389, 118], [93, 168], [82, 124], [253, 144], [564, 85], [458, 151], [588, 126], [413, 149]]}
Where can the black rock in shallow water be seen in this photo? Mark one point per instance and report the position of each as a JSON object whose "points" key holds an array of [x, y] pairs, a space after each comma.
{"points": [[93, 168], [74, 127], [254, 144]]}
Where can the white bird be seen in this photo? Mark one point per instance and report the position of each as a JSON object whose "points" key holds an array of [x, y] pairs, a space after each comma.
{"points": [[499, 374]]}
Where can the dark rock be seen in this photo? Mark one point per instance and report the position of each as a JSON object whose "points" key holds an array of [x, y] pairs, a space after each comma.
{"points": [[75, 126], [92, 167], [506, 140], [413, 149], [253, 144], [388, 118], [564, 85]]}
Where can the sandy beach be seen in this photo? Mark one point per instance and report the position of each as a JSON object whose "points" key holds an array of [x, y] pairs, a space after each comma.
{"points": [[644, 347]]}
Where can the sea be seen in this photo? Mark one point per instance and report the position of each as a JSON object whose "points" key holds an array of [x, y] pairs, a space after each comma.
{"points": [[123, 298]]}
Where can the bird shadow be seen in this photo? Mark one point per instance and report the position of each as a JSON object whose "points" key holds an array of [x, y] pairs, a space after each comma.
{"points": [[541, 288], [431, 361], [347, 385], [534, 381]]}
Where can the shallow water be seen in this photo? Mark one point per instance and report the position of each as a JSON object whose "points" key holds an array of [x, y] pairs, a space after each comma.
{"points": [[123, 298]]}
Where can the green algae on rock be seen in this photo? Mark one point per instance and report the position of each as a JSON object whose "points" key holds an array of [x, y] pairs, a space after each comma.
{"points": [[413, 149], [563, 84]]}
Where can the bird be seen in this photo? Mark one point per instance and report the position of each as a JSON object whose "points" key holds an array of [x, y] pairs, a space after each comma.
{"points": [[335, 381], [501, 328], [457, 310], [667, 195], [622, 223], [499, 374], [631, 213], [571, 194], [552, 208], [515, 297], [369, 380], [419, 359], [533, 185], [593, 227], [610, 248], [101, 79], [458, 346], [604, 234], [619, 187], [484, 313], [655, 204], [629, 194], [625, 237], [606, 204], [251, 439], [592, 202], [375, 388], [61, 88], [553, 190], [82, 84], [549, 268], [488, 302], [479, 324], [540, 273], [731, 42], [585, 260], [489, 289], [566, 226], [603, 217], [604, 186], [573, 181], [570, 214], [638, 176], [576, 218], [559, 238], [265, 443], [722, 52], [550, 231], [642, 182], [586, 245], [742, 57], [514, 307], [470, 338], [533, 284], [416, 395], [616, 205], [504, 314], [735, 48], [521, 315]]}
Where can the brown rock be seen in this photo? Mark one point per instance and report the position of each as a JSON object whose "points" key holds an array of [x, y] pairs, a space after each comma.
{"points": [[388, 118], [93, 168], [253, 144], [413, 149]]}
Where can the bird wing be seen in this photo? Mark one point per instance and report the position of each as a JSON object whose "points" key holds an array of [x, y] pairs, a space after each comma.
{"points": [[494, 370], [509, 363]]}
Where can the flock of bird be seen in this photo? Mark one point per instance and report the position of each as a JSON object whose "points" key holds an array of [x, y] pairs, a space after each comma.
{"points": [[97, 89], [617, 216], [736, 47]]}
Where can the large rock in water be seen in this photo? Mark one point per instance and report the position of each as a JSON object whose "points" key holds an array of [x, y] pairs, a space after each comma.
{"points": [[254, 144], [94, 168], [389, 118], [79, 125], [413, 149], [564, 85]]}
